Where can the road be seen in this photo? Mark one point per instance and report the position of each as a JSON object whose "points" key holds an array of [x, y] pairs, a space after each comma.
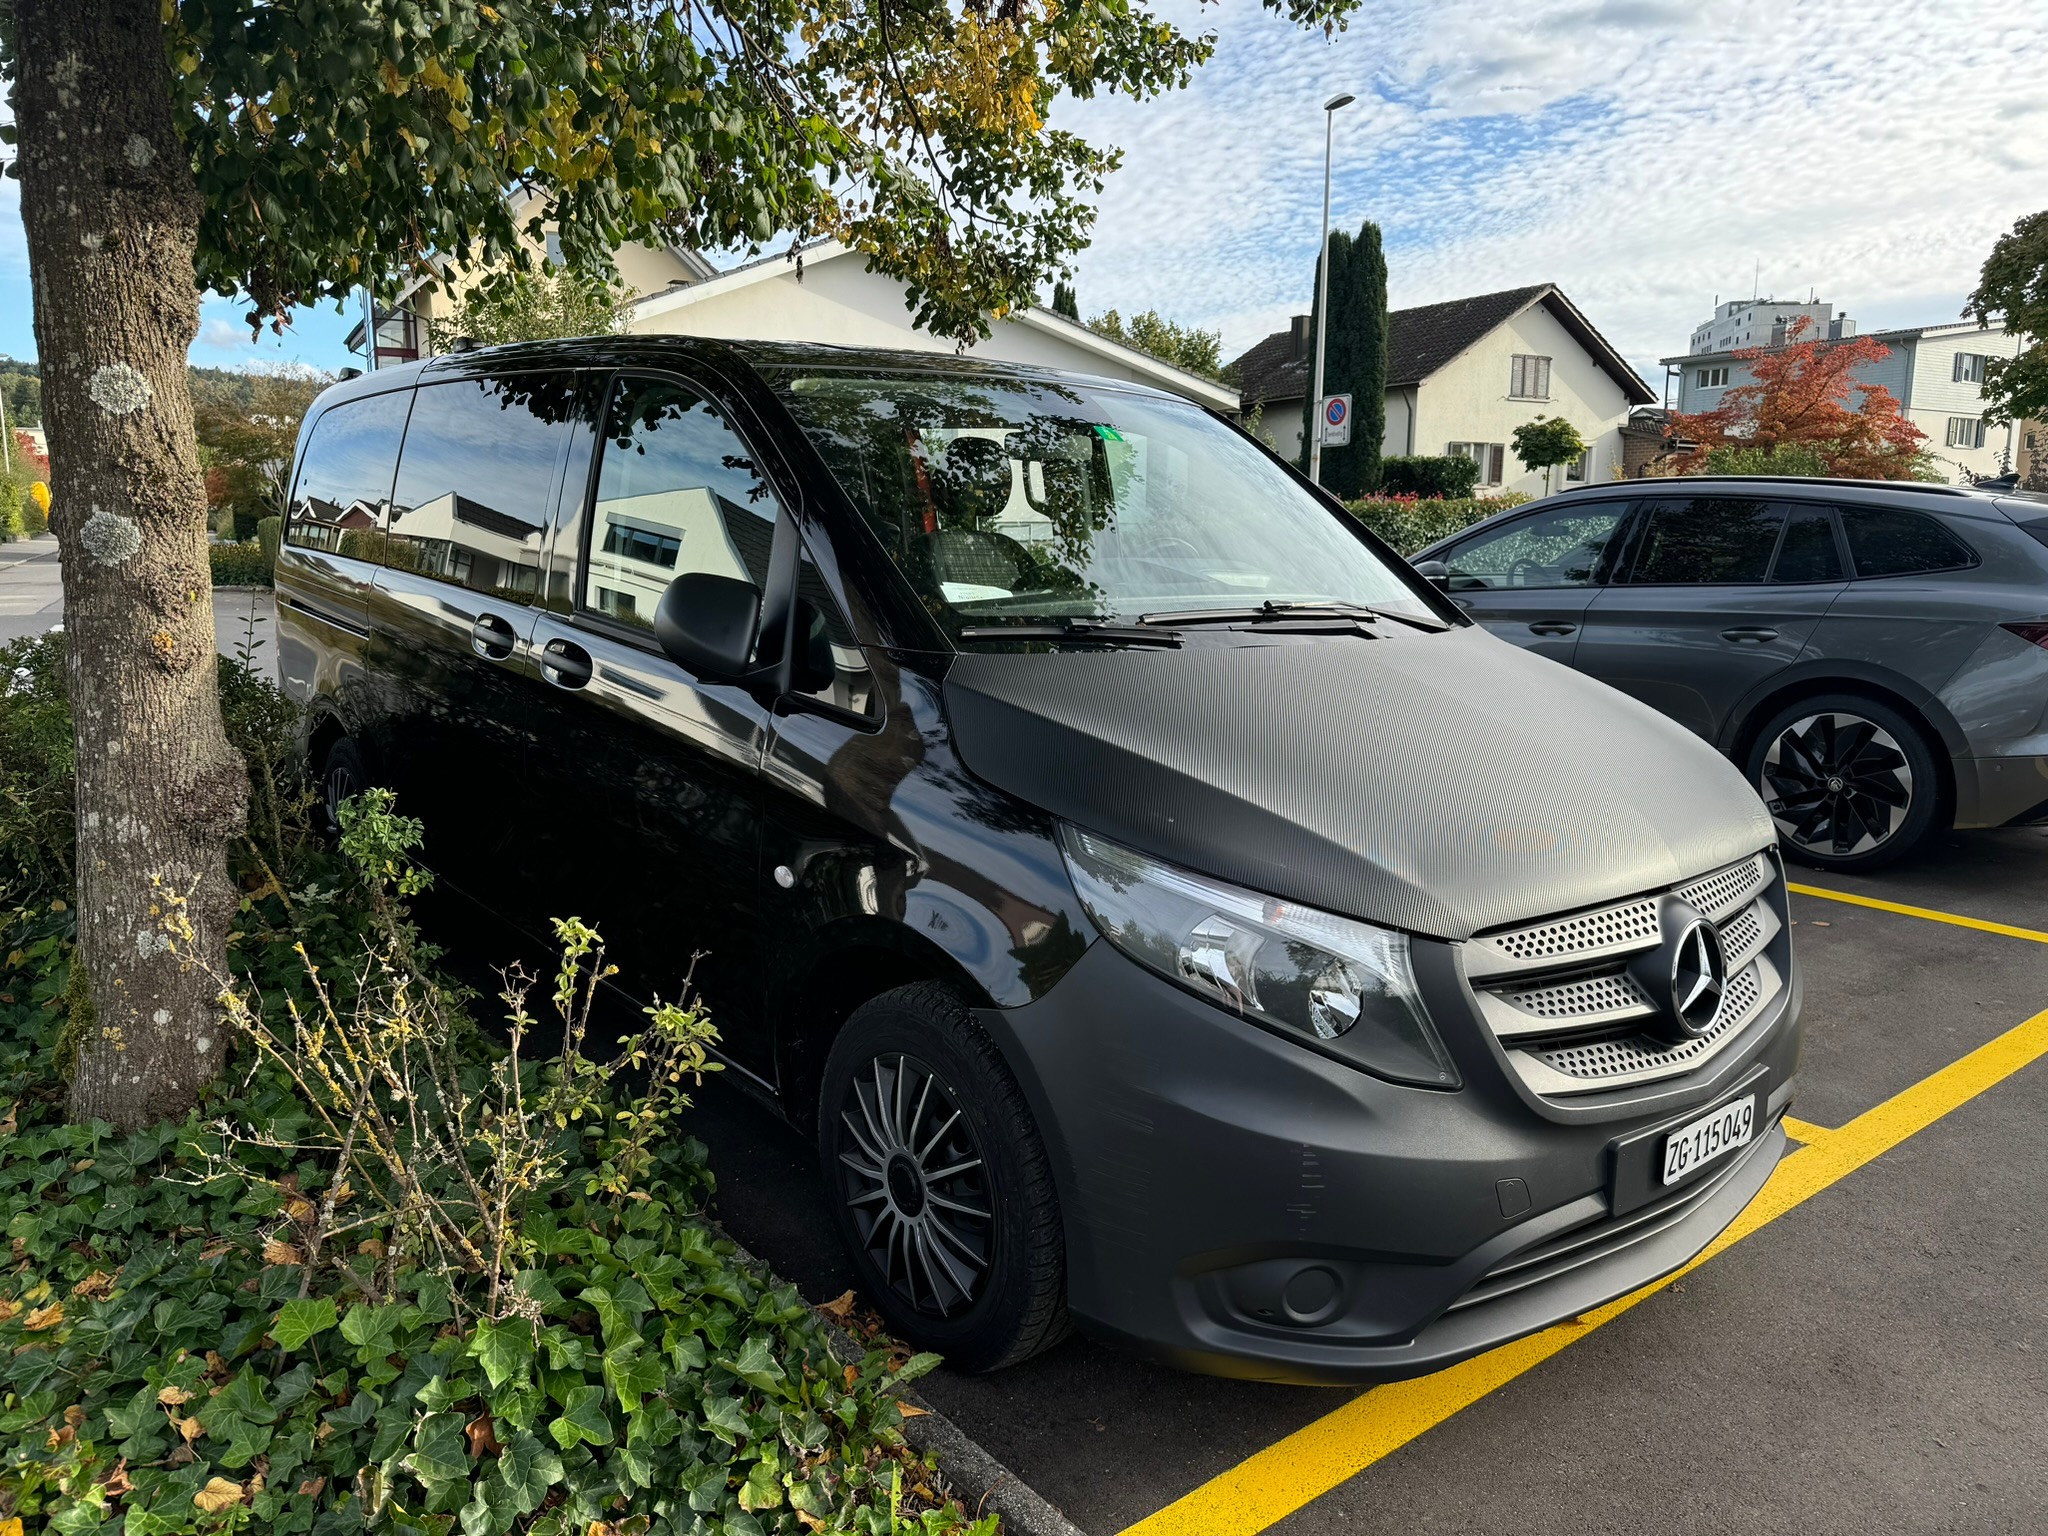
{"points": [[32, 601]]}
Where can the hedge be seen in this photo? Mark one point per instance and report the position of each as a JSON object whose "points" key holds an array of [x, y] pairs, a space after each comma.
{"points": [[1447, 474], [240, 565], [1410, 523]]}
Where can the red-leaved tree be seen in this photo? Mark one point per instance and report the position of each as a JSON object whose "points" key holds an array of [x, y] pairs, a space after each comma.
{"points": [[1806, 396]]}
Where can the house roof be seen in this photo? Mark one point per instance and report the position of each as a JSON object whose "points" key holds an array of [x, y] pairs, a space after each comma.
{"points": [[1422, 341], [1147, 367]]}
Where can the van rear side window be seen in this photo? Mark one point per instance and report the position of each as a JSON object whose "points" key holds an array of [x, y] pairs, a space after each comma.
{"points": [[476, 479], [344, 483]]}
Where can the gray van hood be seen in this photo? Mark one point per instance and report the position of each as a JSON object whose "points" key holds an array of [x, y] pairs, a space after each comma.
{"points": [[1444, 784]]}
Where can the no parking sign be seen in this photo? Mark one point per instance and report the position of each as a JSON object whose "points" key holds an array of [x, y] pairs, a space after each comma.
{"points": [[1336, 421]]}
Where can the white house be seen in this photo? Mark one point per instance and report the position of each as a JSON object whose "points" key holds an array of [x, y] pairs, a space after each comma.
{"points": [[1461, 376], [836, 299], [1936, 372]]}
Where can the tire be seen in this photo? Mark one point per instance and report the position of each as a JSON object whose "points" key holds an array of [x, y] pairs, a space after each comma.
{"points": [[341, 774], [1852, 783], [971, 1264]]}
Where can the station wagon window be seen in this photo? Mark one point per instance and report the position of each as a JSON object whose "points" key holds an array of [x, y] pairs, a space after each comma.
{"points": [[1808, 551], [1707, 541], [677, 491], [1564, 548], [475, 479], [1888, 541], [344, 483]]}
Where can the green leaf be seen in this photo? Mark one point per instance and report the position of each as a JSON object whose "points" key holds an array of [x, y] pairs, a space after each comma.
{"points": [[298, 1321], [527, 1469], [763, 1487], [244, 1398], [727, 1418], [440, 1454], [756, 1365], [371, 1329], [633, 1375], [583, 1419], [503, 1349], [918, 1365]]}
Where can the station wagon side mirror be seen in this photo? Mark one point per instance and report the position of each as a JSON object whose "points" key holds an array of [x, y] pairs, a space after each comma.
{"points": [[706, 624], [1435, 572]]}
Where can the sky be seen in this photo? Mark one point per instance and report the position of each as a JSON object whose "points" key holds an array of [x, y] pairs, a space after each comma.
{"points": [[1645, 155]]}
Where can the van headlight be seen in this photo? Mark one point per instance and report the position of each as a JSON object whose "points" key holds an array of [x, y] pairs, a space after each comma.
{"points": [[1344, 985]]}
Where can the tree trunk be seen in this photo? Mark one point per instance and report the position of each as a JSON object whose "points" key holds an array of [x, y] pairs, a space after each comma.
{"points": [[112, 213]]}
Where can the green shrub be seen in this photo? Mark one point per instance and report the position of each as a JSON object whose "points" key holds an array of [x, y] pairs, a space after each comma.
{"points": [[393, 1275], [1410, 523], [270, 536], [13, 495], [1449, 475], [1778, 459], [239, 565]]}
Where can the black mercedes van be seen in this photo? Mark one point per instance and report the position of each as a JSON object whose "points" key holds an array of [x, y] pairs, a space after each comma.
{"points": [[1168, 912]]}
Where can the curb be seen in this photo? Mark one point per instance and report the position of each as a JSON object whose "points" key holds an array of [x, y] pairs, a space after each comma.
{"points": [[981, 1482]]}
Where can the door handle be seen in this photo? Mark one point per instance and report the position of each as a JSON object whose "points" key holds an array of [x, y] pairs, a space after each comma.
{"points": [[565, 664], [1552, 627], [491, 637], [1756, 632]]}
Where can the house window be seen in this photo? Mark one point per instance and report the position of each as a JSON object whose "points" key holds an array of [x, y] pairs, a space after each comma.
{"points": [[1529, 379], [552, 240], [1490, 457], [1712, 378], [1575, 472], [1969, 368], [1966, 431]]}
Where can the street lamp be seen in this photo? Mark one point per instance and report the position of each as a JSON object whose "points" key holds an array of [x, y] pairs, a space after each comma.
{"points": [[1315, 444]]}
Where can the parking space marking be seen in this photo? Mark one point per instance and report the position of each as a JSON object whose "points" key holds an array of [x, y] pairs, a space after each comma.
{"points": [[1927, 912], [1295, 1471], [1804, 1133]]}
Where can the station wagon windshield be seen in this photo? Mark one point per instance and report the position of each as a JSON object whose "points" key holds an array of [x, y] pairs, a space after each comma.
{"points": [[1013, 502]]}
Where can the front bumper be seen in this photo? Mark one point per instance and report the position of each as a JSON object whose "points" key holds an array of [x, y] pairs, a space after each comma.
{"points": [[1239, 1205]]}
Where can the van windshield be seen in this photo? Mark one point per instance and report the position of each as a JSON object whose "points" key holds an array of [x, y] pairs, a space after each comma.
{"points": [[1016, 501]]}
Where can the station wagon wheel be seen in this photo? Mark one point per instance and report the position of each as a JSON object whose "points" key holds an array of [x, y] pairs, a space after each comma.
{"points": [[1850, 782], [916, 1184], [341, 776], [940, 1182]]}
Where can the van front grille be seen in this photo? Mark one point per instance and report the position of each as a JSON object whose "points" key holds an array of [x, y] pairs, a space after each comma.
{"points": [[1560, 997]]}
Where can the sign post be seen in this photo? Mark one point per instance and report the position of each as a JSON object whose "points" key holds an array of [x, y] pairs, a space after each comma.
{"points": [[1337, 421]]}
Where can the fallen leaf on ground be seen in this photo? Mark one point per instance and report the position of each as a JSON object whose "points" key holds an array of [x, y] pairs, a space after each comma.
{"points": [[97, 1286], [841, 1308], [171, 1397], [278, 1252], [44, 1317], [313, 1487], [483, 1436], [911, 1410]]}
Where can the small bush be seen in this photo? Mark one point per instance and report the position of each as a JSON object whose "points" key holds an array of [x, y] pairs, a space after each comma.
{"points": [[35, 512], [1410, 523], [239, 565], [1778, 459], [1449, 475], [12, 499], [270, 535]]}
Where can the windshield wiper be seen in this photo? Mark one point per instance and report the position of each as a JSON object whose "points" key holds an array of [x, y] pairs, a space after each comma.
{"points": [[1270, 612], [1075, 629]]}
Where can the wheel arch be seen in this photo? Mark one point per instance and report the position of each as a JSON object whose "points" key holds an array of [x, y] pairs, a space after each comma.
{"points": [[852, 963], [1878, 684]]}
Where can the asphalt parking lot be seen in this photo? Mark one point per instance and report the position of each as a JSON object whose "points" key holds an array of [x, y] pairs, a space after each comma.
{"points": [[1866, 1350]]}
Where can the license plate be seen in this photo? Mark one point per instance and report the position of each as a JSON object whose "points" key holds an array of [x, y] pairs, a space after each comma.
{"points": [[1691, 1147]]}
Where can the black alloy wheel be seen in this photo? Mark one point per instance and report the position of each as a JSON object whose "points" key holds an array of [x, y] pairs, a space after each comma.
{"points": [[940, 1183], [341, 776], [1850, 782], [916, 1184]]}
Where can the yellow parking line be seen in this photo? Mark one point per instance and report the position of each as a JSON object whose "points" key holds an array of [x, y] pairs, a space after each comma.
{"points": [[1804, 1133], [1927, 912], [1307, 1464]]}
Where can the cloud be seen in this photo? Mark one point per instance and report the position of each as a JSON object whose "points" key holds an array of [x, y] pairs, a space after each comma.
{"points": [[229, 336], [1645, 156]]}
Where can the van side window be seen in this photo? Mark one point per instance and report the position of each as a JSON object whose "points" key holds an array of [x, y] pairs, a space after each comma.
{"points": [[344, 482], [830, 665], [677, 491], [1884, 541], [475, 479], [1707, 541]]}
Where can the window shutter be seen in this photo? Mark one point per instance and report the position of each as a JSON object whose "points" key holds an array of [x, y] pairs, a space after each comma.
{"points": [[1498, 455], [1542, 390]]}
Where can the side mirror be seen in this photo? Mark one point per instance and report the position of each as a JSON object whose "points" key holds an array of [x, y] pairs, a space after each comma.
{"points": [[1435, 572], [706, 624]]}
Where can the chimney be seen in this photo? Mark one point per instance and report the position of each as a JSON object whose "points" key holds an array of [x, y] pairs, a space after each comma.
{"points": [[1303, 327]]}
